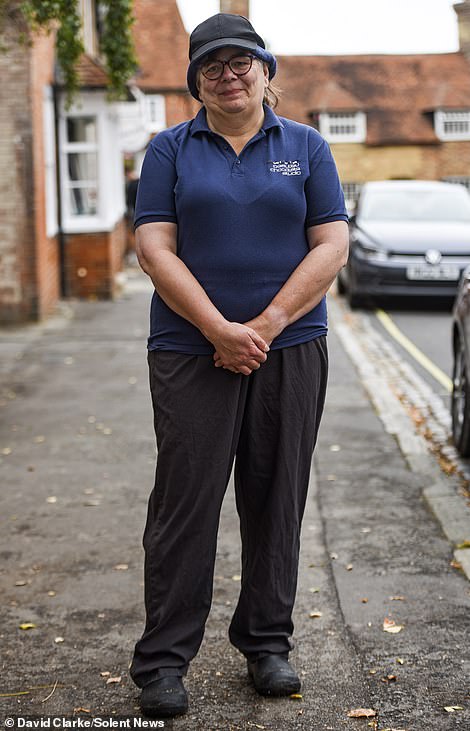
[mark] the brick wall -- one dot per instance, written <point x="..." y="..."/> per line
<point x="28" y="259"/>
<point x="358" y="163"/>
<point x="93" y="260"/>
<point x="17" y="292"/>
<point x="47" y="274"/>
<point x="237" y="7"/>
<point x="179" y="108"/>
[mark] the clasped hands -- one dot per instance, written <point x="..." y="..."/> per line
<point x="241" y="348"/>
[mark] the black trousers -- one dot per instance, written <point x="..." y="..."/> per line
<point x="204" y="418"/>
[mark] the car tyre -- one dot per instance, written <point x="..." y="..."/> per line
<point x="460" y="404"/>
<point x="340" y="285"/>
<point x="355" y="300"/>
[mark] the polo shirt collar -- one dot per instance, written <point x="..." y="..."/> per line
<point x="199" y="123"/>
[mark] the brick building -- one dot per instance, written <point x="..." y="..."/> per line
<point x="387" y="116"/>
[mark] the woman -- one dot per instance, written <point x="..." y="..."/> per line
<point x="240" y="223"/>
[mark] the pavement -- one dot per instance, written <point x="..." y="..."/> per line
<point x="383" y="610"/>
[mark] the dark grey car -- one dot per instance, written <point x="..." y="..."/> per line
<point x="407" y="238"/>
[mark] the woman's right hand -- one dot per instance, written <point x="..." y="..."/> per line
<point x="238" y="348"/>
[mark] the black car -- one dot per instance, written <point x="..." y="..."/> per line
<point x="407" y="238"/>
<point x="460" y="402"/>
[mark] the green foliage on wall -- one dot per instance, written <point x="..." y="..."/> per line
<point x="63" y="16"/>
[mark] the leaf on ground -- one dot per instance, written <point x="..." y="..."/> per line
<point x="21" y="583"/>
<point x="27" y="625"/>
<point x="389" y="679"/>
<point x="105" y="674"/>
<point x="117" y="679"/>
<point x="456" y="564"/>
<point x="81" y="710"/>
<point x="364" y="600"/>
<point x="362" y="713"/>
<point x="59" y="640"/>
<point x="51" y="499"/>
<point x="464" y="544"/>
<point x="296" y="696"/>
<point x="397" y="598"/>
<point x="400" y="661"/>
<point x="349" y="567"/>
<point x="121" y="567"/>
<point x="236" y="577"/>
<point x="391" y="626"/>
<point x="452" y="709"/>
<point x="315" y="615"/>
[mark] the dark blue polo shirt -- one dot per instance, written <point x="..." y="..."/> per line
<point x="242" y="219"/>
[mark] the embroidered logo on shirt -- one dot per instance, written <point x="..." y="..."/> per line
<point x="285" y="167"/>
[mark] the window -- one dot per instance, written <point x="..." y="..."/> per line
<point x="154" y="111"/>
<point x="351" y="194"/>
<point x="343" y="126"/>
<point x="452" y="125"/>
<point x="81" y="149"/>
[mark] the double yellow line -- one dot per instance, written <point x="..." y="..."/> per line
<point x="415" y="352"/>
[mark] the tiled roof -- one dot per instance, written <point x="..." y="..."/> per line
<point x="162" y="45"/>
<point x="91" y="73"/>
<point x="398" y="93"/>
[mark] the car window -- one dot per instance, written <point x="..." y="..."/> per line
<point x="416" y="205"/>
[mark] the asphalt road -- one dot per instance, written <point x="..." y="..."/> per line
<point x="429" y="328"/>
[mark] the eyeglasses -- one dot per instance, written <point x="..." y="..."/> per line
<point x="238" y="65"/>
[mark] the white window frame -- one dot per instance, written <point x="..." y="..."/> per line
<point x="50" y="170"/>
<point x="154" y="122"/>
<point x="80" y="147"/>
<point x="356" y="120"/>
<point x="351" y="192"/>
<point x="110" y="167"/>
<point x="455" y="116"/>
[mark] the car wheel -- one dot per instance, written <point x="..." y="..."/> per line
<point x="355" y="300"/>
<point x="461" y="401"/>
<point x="340" y="285"/>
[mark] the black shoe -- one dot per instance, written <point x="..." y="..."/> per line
<point x="272" y="675"/>
<point x="164" y="698"/>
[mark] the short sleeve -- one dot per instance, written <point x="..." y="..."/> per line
<point x="324" y="195"/>
<point x="155" y="196"/>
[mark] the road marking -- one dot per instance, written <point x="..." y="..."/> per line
<point x="415" y="352"/>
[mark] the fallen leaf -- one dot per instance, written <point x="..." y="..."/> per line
<point x="314" y="590"/>
<point x="51" y="593"/>
<point x="117" y="679"/>
<point x="51" y="499"/>
<point x="6" y="451"/>
<point x="315" y="615"/>
<point x="333" y="556"/>
<point x="21" y="583"/>
<point x="92" y="503"/>
<point x="400" y="661"/>
<point x="362" y="713"/>
<point x="391" y="626"/>
<point x="81" y="710"/>
<point x="464" y="544"/>
<point x="335" y="448"/>
<point x="349" y="567"/>
<point x="364" y="600"/>
<point x="59" y="640"/>
<point x="452" y="709"/>
<point x="456" y="564"/>
<point x="27" y="625"/>
<point x="296" y="696"/>
<point x="236" y="577"/>
<point x="397" y="598"/>
<point x="121" y="567"/>
<point x="389" y="679"/>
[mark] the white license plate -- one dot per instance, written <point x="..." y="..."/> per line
<point x="432" y="273"/>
